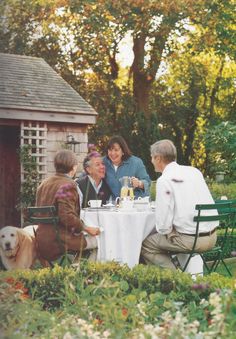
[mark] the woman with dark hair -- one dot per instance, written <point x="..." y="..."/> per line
<point x="119" y="163"/>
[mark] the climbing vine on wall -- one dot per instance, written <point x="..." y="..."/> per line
<point x="30" y="179"/>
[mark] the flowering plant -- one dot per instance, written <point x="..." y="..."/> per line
<point x="17" y="287"/>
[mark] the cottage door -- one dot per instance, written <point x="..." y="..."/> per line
<point x="10" y="176"/>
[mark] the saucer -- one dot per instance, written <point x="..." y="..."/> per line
<point x="102" y="208"/>
<point x="108" y="205"/>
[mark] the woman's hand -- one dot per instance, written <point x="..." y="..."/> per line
<point x="136" y="183"/>
<point x="92" y="230"/>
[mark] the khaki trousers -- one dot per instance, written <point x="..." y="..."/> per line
<point x="157" y="248"/>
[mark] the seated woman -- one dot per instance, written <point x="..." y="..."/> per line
<point x="120" y="162"/>
<point x="92" y="186"/>
<point x="60" y="190"/>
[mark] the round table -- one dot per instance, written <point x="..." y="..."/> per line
<point x="123" y="232"/>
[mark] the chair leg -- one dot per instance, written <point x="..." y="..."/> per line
<point x="221" y="260"/>
<point x="205" y="264"/>
<point x="187" y="262"/>
<point x="215" y="264"/>
<point x="207" y="267"/>
<point x="227" y="269"/>
<point x="65" y="258"/>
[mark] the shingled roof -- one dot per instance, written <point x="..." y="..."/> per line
<point x="30" y="89"/>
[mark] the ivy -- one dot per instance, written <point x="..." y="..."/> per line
<point x="31" y="175"/>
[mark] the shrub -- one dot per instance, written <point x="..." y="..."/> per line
<point x="221" y="144"/>
<point x="219" y="190"/>
<point x="108" y="300"/>
<point x="53" y="286"/>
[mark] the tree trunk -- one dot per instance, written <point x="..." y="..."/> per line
<point x="215" y="89"/>
<point x="141" y="85"/>
<point x="144" y="72"/>
<point x="141" y="90"/>
<point x="191" y="121"/>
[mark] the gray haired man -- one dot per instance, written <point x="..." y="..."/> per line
<point x="178" y="190"/>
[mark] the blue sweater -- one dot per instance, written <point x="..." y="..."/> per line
<point x="132" y="167"/>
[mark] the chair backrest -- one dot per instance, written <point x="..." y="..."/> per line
<point x="230" y="232"/>
<point x="43" y="215"/>
<point x="223" y="213"/>
<point x="46" y="215"/>
<point x="232" y="209"/>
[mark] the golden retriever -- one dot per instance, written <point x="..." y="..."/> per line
<point x="17" y="247"/>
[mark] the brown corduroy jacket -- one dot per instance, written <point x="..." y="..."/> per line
<point x="61" y="191"/>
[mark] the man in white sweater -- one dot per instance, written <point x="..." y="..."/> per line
<point x="178" y="190"/>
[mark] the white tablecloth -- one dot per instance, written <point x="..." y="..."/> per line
<point x="122" y="235"/>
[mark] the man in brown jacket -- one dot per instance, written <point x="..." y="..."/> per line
<point x="60" y="190"/>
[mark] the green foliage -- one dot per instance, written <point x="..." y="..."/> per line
<point x="20" y="316"/>
<point x="221" y="18"/>
<point x="221" y="145"/>
<point x="110" y="299"/>
<point x="51" y="286"/>
<point x="138" y="133"/>
<point x="195" y="89"/>
<point x="153" y="191"/>
<point x="143" y="134"/>
<point x="219" y="190"/>
<point x="29" y="185"/>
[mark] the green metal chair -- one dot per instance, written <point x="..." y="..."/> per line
<point x="230" y="242"/>
<point x="48" y="215"/>
<point x="225" y="214"/>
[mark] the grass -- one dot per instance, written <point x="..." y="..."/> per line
<point x="232" y="267"/>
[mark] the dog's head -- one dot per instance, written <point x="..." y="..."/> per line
<point x="9" y="240"/>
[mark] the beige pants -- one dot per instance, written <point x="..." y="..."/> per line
<point x="157" y="248"/>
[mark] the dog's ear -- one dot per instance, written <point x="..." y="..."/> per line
<point x="20" y="235"/>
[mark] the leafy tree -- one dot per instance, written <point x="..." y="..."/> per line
<point x="150" y="23"/>
<point x="195" y="90"/>
<point x="217" y="22"/>
<point x="133" y="126"/>
<point x="86" y="35"/>
<point x="81" y="40"/>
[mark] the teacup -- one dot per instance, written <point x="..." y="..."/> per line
<point x="95" y="203"/>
